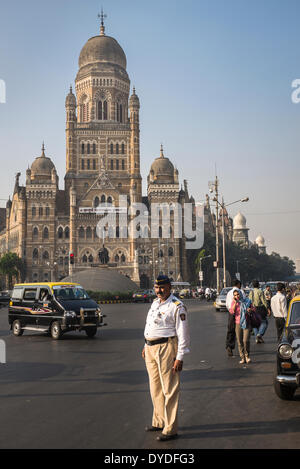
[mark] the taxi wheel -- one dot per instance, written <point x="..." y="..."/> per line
<point x="56" y="331"/>
<point x="91" y="331"/>
<point x="17" y="328"/>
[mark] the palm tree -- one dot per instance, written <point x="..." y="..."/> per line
<point x="11" y="265"/>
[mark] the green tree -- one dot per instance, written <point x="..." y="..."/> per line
<point x="12" y="266"/>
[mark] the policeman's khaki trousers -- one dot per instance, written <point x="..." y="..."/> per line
<point x="164" y="384"/>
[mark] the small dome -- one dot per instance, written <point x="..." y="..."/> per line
<point x="134" y="99"/>
<point x="162" y="169"/>
<point x="70" y="99"/>
<point x="42" y="166"/>
<point x="260" y="241"/>
<point x="102" y="49"/>
<point x="239" y="222"/>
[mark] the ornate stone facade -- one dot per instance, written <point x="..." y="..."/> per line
<point x="44" y="224"/>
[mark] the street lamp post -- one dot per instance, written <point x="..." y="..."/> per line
<point x="237" y="266"/>
<point x="222" y="205"/>
<point x="200" y="271"/>
<point x="214" y="187"/>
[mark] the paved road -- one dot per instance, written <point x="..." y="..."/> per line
<point x="93" y="393"/>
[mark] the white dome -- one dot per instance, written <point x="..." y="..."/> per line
<point x="260" y="241"/>
<point x="239" y="222"/>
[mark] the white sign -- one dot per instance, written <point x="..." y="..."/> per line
<point x="238" y="275"/>
<point x="200" y="275"/>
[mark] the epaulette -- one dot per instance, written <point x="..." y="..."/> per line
<point x="177" y="302"/>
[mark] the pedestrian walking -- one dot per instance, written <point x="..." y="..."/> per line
<point x="167" y="340"/>
<point x="268" y="296"/>
<point x="240" y="307"/>
<point x="259" y="301"/>
<point x="279" y="309"/>
<point x="230" y="336"/>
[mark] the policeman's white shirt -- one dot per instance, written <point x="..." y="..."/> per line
<point x="279" y="305"/>
<point x="229" y="296"/>
<point x="168" y="319"/>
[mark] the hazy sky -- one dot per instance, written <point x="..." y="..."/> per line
<point x="214" y="81"/>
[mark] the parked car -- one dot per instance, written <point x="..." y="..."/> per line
<point x="220" y="302"/>
<point x="5" y="298"/>
<point x="142" y="295"/>
<point x="287" y="378"/>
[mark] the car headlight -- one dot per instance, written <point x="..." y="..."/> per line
<point x="285" y="351"/>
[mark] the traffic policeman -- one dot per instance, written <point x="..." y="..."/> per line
<point x="167" y="340"/>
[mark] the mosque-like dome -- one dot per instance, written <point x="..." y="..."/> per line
<point x="239" y="222"/>
<point x="102" y="49"/>
<point x="260" y="240"/>
<point x="42" y="166"/>
<point x="162" y="170"/>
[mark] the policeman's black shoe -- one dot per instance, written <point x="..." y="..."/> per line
<point x="150" y="428"/>
<point x="229" y="352"/>
<point x="163" y="437"/>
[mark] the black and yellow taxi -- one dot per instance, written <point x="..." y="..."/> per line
<point x="287" y="377"/>
<point x="53" y="308"/>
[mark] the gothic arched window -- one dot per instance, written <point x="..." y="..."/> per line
<point x="103" y="199"/>
<point x="88" y="148"/>
<point x="47" y="211"/>
<point x="109" y="200"/>
<point x="171" y="252"/>
<point x="46" y="255"/>
<point x="35" y="233"/>
<point x="123" y="258"/>
<point x="35" y="254"/>
<point x="81" y="232"/>
<point x="91" y="259"/>
<point x="60" y="232"/>
<point x="88" y="232"/>
<point x="45" y="233"/>
<point x="33" y="211"/>
<point x="94" y="148"/>
<point x="84" y="259"/>
<point x="111" y="148"/>
<point x="117" y="148"/>
<point x="96" y="201"/>
<point x="105" y="113"/>
<point x="123" y="149"/>
<point x="67" y="232"/>
<point x="117" y="259"/>
<point x="99" y="113"/>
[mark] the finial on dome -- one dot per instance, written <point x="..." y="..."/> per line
<point x="133" y="91"/>
<point x="71" y="91"/>
<point x="102" y="28"/>
<point x="162" y="151"/>
<point x="43" y="150"/>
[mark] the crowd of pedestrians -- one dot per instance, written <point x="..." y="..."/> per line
<point x="250" y="315"/>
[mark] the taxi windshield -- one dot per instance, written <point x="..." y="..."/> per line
<point x="70" y="292"/>
<point x="295" y="313"/>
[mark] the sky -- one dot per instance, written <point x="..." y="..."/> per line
<point x="214" y="78"/>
